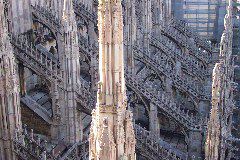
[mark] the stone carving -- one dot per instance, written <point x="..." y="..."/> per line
<point x="167" y="66"/>
<point x="218" y="145"/>
<point x="112" y="135"/>
<point x="10" y="114"/>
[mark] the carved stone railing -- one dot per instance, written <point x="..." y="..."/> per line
<point x="183" y="27"/>
<point x="149" y="145"/>
<point x="54" y="24"/>
<point x="29" y="147"/>
<point x="82" y="10"/>
<point x="36" y="59"/>
<point x="162" y="101"/>
<point x="79" y="150"/>
<point x="187" y="43"/>
<point x="187" y="85"/>
<point x="165" y="105"/>
<point x="181" y="116"/>
<point x="44" y="65"/>
<point x="47" y="18"/>
<point x="173" y="52"/>
<point x="87" y="100"/>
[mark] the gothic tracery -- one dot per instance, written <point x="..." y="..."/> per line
<point x="131" y="82"/>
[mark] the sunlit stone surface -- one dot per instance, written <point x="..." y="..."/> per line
<point x="88" y="79"/>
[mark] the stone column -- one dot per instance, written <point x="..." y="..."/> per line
<point x="94" y="64"/>
<point x="195" y="145"/>
<point x="22" y="80"/>
<point x="178" y="68"/>
<point x="56" y="108"/>
<point x="60" y="47"/>
<point x="159" y="12"/>
<point x="169" y="86"/>
<point x="169" y="9"/>
<point x="94" y="73"/>
<point x="154" y="125"/>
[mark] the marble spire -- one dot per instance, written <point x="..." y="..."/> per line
<point x="10" y="116"/>
<point x="71" y="73"/>
<point x="112" y="134"/>
<point x="218" y="142"/>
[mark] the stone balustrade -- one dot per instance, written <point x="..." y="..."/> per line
<point x="186" y="60"/>
<point x="165" y="104"/>
<point x="153" y="90"/>
<point x="47" y="17"/>
<point x="182" y="26"/>
<point x="28" y="146"/>
<point x="159" y="65"/>
<point x="55" y="23"/>
<point x="46" y="65"/>
<point x="37" y="59"/>
<point x="147" y="90"/>
<point x="187" y="43"/>
<point x="149" y="142"/>
<point x="80" y="9"/>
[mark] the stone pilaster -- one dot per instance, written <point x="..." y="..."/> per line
<point x="154" y="125"/>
